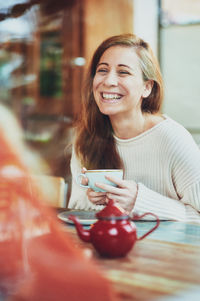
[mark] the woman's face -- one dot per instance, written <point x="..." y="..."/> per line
<point x="118" y="85"/>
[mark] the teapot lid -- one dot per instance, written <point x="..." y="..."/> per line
<point x="111" y="211"/>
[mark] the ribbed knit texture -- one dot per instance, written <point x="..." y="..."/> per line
<point x="165" y="162"/>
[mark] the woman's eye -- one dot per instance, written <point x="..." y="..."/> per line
<point x="123" y="72"/>
<point x="101" y="70"/>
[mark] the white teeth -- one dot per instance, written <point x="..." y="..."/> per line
<point x="111" y="96"/>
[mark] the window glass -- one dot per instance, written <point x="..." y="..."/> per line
<point x="45" y="48"/>
<point x="180" y="61"/>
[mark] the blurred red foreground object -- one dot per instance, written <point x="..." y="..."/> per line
<point x="38" y="261"/>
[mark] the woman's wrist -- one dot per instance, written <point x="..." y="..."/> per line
<point x="131" y="207"/>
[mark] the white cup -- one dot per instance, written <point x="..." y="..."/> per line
<point x="98" y="175"/>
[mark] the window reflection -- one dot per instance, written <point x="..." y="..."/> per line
<point x="50" y="65"/>
<point x="45" y="49"/>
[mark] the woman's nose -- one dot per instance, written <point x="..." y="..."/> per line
<point x="111" y="79"/>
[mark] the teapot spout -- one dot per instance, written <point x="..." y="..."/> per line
<point x="82" y="233"/>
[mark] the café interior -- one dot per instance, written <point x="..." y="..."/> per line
<point x="45" y="49"/>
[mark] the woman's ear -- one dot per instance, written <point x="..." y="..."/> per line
<point x="148" y="85"/>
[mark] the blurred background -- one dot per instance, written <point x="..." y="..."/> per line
<point x="45" y="46"/>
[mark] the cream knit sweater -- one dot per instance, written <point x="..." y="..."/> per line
<point x="165" y="162"/>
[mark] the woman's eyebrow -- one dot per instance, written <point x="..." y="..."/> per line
<point x="102" y="64"/>
<point x="123" y="65"/>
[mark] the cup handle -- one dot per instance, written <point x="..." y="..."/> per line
<point x="79" y="181"/>
<point x="137" y="217"/>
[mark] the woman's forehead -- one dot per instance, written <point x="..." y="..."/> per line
<point x="120" y="55"/>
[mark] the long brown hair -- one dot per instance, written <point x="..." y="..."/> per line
<point x="95" y="144"/>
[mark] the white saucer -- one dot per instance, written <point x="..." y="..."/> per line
<point x="84" y="217"/>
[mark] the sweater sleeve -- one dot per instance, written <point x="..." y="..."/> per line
<point x="182" y="166"/>
<point x="78" y="198"/>
<point x="166" y="208"/>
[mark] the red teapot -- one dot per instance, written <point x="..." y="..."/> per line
<point x="114" y="234"/>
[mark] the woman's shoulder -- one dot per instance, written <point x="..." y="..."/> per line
<point x="174" y="130"/>
<point x="178" y="139"/>
<point x="163" y="132"/>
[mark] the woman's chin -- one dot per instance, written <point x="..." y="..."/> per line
<point x="109" y="110"/>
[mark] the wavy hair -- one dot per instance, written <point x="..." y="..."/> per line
<point x="95" y="144"/>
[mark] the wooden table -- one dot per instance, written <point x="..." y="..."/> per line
<point x="167" y="263"/>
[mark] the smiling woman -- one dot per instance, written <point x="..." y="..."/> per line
<point x="118" y="85"/>
<point x="94" y="126"/>
<point x="121" y="127"/>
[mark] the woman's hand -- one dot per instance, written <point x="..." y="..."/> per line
<point x="97" y="198"/>
<point x="124" y="194"/>
<point x="84" y="181"/>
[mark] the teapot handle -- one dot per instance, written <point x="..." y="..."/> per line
<point x="137" y="217"/>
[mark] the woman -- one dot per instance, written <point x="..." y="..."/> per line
<point x="121" y="127"/>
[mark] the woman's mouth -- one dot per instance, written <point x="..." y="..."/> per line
<point x="111" y="97"/>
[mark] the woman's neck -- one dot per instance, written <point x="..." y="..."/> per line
<point x="126" y="128"/>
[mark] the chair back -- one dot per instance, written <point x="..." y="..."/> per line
<point x="53" y="189"/>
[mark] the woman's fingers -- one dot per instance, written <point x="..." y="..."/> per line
<point x="84" y="180"/>
<point x="112" y="189"/>
<point x="101" y="202"/>
<point x="124" y="194"/>
<point x="115" y="197"/>
<point x="83" y="170"/>
<point x="124" y="187"/>
<point x="117" y="181"/>
<point x="97" y="198"/>
<point x="93" y="193"/>
<point x="109" y="188"/>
